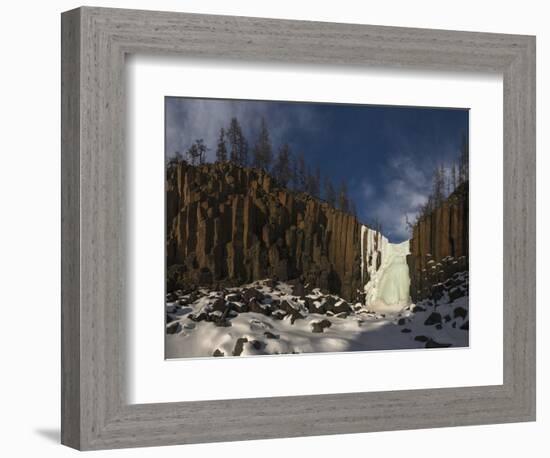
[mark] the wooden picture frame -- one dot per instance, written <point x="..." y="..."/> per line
<point x="95" y="413"/>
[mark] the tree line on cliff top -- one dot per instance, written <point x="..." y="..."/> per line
<point x="289" y="169"/>
<point x="444" y="182"/>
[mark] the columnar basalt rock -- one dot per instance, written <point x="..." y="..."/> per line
<point x="439" y="245"/>
<point x="228" y="225"/>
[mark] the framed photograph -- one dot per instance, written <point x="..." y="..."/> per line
<point x="352" y="244"/>
<point x="280" y="228"/>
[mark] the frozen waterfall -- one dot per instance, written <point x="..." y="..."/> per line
<point x="387" y="288"/>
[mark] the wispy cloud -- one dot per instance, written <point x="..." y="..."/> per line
<point x="367" y="190"/>
<point x="408" y="184"/>
<point x="405" y="191"/>
<point x="189" y="119"/>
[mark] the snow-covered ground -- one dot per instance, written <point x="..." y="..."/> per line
<point x="268" y="317"/>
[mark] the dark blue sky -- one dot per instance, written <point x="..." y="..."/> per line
<point x="385" y="154"/>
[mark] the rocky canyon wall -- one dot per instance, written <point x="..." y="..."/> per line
<point x="227" y="225"/>
<point x="439" y="245"/>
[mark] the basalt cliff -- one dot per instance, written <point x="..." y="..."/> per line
<point x="228" y="225"/>
<point x="439" y="246"/>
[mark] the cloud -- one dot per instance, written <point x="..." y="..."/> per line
<point x="407" y="177"/>
<point x="405" y="191"/>
<point x="188" y="119"/>
<point x="367" y="190"/>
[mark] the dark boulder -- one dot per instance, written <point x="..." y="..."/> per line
<point x="239" y="346"/>
<point x="255" y="307"/>
<point x="218" y="305"/>
<point x="421" y="338"/>
<point x="234" y="297"/>
<point x="433" y="344"/>
<point x="270" y="335"/>
<point x="434" y="318"/>
<point x="252" y="294"/>
<point x="329" y="303"/>
<point x="460" y="312"/>
<point x="456" y="293"/>
<point x="279" y="314"/>
<point x="240" y="307"/>
<point x="295" y="316"/>
<point x="341" y="307"/>
<point x="437" y="291"/>
<point x="173" y="328"/>
<point x="222" y="323"/>
<point x="320" y="326"/>
<point x="313" y="307"/>
<point x="257" y="344"/>
<point x="198" y="316"/>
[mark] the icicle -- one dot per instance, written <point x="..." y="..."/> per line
<point x="363" y="230"/>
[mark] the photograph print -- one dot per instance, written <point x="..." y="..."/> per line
<point x="301" y="227"/>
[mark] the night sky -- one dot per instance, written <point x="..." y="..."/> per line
<point x="385" y="154"/>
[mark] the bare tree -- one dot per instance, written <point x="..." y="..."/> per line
<point x="454" y="177"/>
<point x="221" y="151"/>
<point x="313" y="183"/>
<point x="343" y="199"/>
<point x="201" y="150"/>
<point x="243" y="150"/>
<point x="300" y="173"/>
<point x="238" y="146"/>
<point x="262" y="152"/>
<point x="330" y="192"/>
<point x="463" y="168"/>
<point x="193" y="154"/>
<point x="438" y="185"/>
<point x="282" y="169"/>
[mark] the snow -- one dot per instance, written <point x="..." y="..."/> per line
<point x="361" y="330"/>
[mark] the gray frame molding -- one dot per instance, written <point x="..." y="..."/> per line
<point x="95" y="41"/>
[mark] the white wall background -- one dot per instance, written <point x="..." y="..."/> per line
<point x="30" y="228"/>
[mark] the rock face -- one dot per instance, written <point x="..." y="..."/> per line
<point x="228" y="225"/>
<point x="439" y="245"/>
